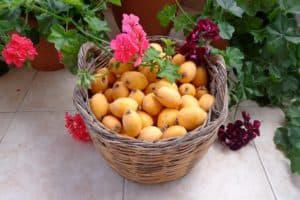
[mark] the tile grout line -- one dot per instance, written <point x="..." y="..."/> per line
<point x="265" y="170"/>
<point x="17" y="110"/>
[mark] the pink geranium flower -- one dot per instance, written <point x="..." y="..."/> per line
<point x="18" y="50"/>
<point x="125" y="48"/>
<point x="132" y="44"/>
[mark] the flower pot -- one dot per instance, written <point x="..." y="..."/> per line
<point x="220" y="43"/>
<point x="147" y="12"/>
<point x="47" y="58"/>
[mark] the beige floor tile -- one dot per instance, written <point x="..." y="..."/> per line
<point x="221" y="175"/>
<point x="5" y="119"/>
<point x="51" y="91"/>
<point x="285" y="184"/>
<point x="13" y="87"/>
<point x="39" y="160"/>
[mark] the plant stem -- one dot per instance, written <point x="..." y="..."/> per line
<point x="183" y="12"/>
<point x="88" y="34"/>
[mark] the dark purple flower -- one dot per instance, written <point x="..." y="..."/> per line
<point x="209" y="30"/>
<point x="240" y="133"/>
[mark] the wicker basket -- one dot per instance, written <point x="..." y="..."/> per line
<point x="162" y="161"/>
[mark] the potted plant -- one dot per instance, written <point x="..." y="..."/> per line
<point x="58" y="28"/>
<point x="264" y="57"/>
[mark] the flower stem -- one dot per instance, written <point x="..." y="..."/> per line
<point x="183" y="12"/>
<point x="88" y="34"/>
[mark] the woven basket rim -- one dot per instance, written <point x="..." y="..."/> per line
<point x="117" y="138"/>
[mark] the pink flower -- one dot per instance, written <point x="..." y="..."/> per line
<point x="18" y="50"/>
<point x="132" y="44"/>
<point x="125" y="48"/>
<point x="129" y="23"/>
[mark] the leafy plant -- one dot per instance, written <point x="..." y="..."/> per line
<point x="264" y="52"/>
<point x="67" y="23"/>
<point x="287" y="138"/>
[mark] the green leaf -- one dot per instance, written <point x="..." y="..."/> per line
<point x="251" y="7"/>
<point x="96" y="24"/>
<point x="293" y="115"/>
<point x="45" y="22"/>
<point x="259" y="35"/>
<point x="167" y="14"/>
<point x="231" y="6"/>
<point x="283" y="28"/>
<point x="68" y="42"/>
<point x="290" y="83"/>
<point x="295" y="162"/>
<point x="290" y="6"/>
<point x="234" y="58"/>
<point x="293" y="39"/>
<point x="169" y="48"/>
<point x="281" y="139"/>
<point x="169" y="71"/>
<point x="115" y="2"/>
<point x="226" y="30"/>
<point x="85" y="78"/>
<point x="182" y="22"/>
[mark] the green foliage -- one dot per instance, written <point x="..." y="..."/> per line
<point x="287" y="138"/>
<point x="226" y="30"/>
<point x="85" y="78"/>
<point x="264" y="57"/>
<point x="67" y="23"/>
<point x="167" y="15"/>
<point x="166" y="68"/>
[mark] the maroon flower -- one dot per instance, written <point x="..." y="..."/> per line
<point x="209" y="30"/>
<point x="196" y="45"/>
<point x="76" y="127"/>
<point x="240" y="133"/>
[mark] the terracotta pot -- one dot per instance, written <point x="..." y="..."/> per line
<point x="147" y="12"/>
<point x="47" y="58"/>
<point x="220" y="43"/>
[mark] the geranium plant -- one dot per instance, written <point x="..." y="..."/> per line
<point x="67" y="24"/>
<point x="263" y="56"/>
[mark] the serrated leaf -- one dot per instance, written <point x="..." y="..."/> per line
<point x="169" y="46"/>
<point x="231" y="6"/>
<point x="226" y="30"/>
<point x="96" y="24"/>
<point x="167" y="14"/>
<point x="169" y="71"/>
<point x="251" y="7"/>
<point x="259" y="35"/>
<point x="290" y="6"/>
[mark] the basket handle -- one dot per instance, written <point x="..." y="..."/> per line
<point x="87" y="50"/>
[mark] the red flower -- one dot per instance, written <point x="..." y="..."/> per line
<point x="240" y="133"/>
<point x="18" y="50"/>
<point x="77" y="127"/>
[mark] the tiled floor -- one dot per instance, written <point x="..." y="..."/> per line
<point x="39" y="160"/>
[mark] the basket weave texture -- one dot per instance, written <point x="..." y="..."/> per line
<point x="147" y="162"/>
